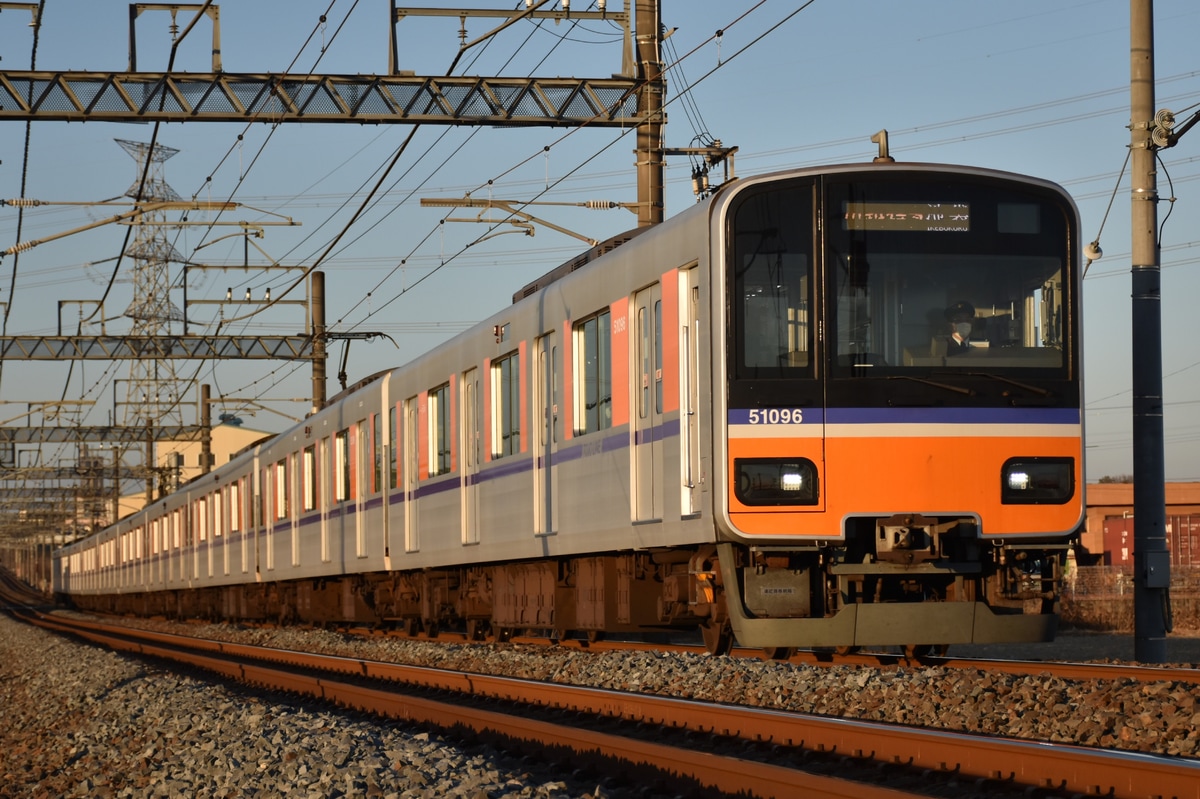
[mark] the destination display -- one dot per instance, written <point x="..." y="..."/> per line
<point x="931" y="217"/>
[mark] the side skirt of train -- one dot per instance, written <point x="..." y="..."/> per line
<point x="644" y="593"/>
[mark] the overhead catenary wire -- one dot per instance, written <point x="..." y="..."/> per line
<point x="411" y="260"/>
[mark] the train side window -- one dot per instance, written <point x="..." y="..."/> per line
<point x="311" y="486"/>
<point x="341" y="466"/>
<point x="393" y="450"/>
<point x="439" y="430"/>
<point x="235" y="506"/>
<point x="376" y="454"/>
<point x="281" y="489"/>
<point x="593" y="373"/>
<point x="506" y="405"/>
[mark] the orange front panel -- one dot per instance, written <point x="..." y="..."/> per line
<point x="806" y="520"/>
<point x="930" y="475"/>
<point x="946" y="475"/>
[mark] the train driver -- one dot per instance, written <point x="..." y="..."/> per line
<point x="959" y="318"/>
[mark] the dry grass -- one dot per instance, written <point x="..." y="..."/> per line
<point x="1101" y="599"/>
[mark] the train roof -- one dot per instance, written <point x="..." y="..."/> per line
<point x="581" y="260"/>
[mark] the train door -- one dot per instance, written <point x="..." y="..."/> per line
<point x="689" y="391"/>
<point x="206" y="535"/>
<point x="294" y="476"/>
<point x="547" y="426"/>
<point x="648" y="405"/>
<point x="258" y="488"/>
<point x="469" y="469"/>
<point x="268" y="517"/>
<point x="186" y="549"/>
<point x="241" y="523"/>
<point x="223" y="531"/>
<point x="360" y="485"/>
<point x="411" y="473"/>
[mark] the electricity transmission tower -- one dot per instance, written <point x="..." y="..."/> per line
<point x="154" y="389"/>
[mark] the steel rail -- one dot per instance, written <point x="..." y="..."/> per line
<point x="727" y="774"/>
<point x="1059" y="767"/>
<point x="1069" y="670"/>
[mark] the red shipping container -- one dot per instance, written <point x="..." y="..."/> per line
<point x="1118" y="541"/>
<point x="1183" y="540"/>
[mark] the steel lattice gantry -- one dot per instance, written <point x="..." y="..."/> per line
<point x="271" y="98"/>
<point x="117" y="347"/>
<point x="122" y="435"/>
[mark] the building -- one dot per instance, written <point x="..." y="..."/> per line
<point x="1107" y="536"/>
<point x="178" y="462"/>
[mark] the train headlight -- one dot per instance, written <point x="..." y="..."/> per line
<point x="1037" y="481"/>
<point x="775" y="481"/>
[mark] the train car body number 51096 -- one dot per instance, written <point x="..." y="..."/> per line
<point x="776" y="416"/>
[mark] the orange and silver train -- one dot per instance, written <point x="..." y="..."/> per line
<point x="829" y="407"/>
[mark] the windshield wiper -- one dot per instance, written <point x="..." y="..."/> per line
<point x="1045" y="392"/>
<point x="957" y="389"/>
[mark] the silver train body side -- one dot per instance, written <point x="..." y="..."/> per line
<point x="622" y="449"/>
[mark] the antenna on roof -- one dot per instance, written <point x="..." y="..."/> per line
<point x="881" y="139"/>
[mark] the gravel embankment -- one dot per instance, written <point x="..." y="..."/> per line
<point x="1161" y="717"/>
<point x="79" y="721"/>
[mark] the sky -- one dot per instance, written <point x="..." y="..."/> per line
<point x="1039" y="87"/>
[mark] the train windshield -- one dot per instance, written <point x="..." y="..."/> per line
<point x="772" y="334"/>
<point x="966" y="276"/>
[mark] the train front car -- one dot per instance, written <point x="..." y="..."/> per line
<point x="898" y="371"/>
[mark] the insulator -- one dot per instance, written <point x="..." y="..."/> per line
<point x="600" y="205"/>
<point x="1161" y="137"/>
<point x="600" y="4"/>
<point x="267" y="296"/>
<point x="23" y="202"/>
<point x="1164" y="119"/>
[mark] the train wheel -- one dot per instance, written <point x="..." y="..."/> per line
<point x="410" y="627"/>
<point x="778" y="652"/>
<point x="476" y="630"/>
<point x="914" y="651"/>
<point x="718" y="637"/>
<point x="504" y="634"/>
<point x="595" y="635"/>
<point x="845" y="650"/>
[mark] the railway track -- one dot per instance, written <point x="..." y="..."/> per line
<point x="1067" y="670"/>
<point x="890" y="754"/>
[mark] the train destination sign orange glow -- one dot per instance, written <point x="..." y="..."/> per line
<point x="932" y="217"/>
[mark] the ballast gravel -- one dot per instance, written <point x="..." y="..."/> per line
<point x="83" y="722"/>
<point x="80" y="721"/>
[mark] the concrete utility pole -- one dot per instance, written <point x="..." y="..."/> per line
<point x="650" y="155"/>
<point x="1151" y="559"/>
<point x="316" y="296"/>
